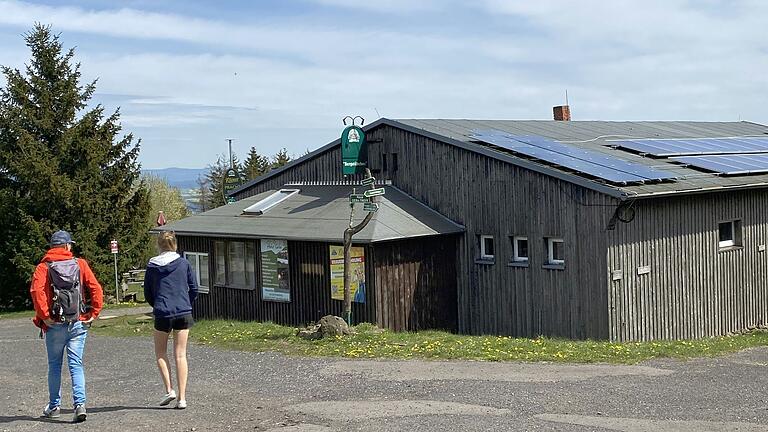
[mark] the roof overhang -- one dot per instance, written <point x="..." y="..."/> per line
<point x="319" y="213"/>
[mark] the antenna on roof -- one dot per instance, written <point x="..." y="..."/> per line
<point x="566" y="97"/>
<point x="231" y="159"/>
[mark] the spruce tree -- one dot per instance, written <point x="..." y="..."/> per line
<point x="280" y="159"/>
<point x="63" y="166"/>
<point x="255" y="165"/>
<point x="215" y="181"/>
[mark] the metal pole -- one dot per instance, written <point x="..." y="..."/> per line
<point x="117" y="290"/>
<point x="348" y="233"/>
<point x="231" y="159"/>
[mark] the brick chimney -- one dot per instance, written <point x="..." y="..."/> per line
<point x="562" y="113"/>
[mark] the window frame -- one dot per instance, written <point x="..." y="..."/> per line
<point x="516" y="257"/>
<point x="552" y="262"/>
<point x="736" y="240"/>
<point x="202" y="289"/>
<point x="483" y="256"/>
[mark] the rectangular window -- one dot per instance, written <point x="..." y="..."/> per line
<point x="235" y="264"/>
<point x="199" y="262"/>
<point x="729" y="234"/>
<point x="520" y="249"/>
<point x="555" y="251"/>
<point x="220" y="258"/>
<point x="384" y="162"/>
<point x="486" y="248"/>
<point x="394" y="162"/>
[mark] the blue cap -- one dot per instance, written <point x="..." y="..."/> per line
<point x="61" y="238"/>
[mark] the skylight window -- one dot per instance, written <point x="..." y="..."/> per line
<point x="270" y="201"/>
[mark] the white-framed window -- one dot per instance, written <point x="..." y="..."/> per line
<point x="487" y="252"/>
<point x="729" y="234"/>
<point x="199" y="263"/>
<point x="555" y="251"/>
<point x="519" y="249"/>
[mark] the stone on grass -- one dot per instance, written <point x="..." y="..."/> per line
<point x="328" y="326"/>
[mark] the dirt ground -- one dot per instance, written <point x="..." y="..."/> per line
<point x="242" y="391"/>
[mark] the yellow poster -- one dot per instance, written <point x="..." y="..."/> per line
<point x="357" y="273"/>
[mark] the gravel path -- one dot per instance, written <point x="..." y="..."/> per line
<point x="241" y="391"/>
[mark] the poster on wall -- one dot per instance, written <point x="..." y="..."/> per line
<point x="275" y="284"/>
<point x="357" y="273"/>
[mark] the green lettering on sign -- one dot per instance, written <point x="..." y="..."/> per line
<point x="354" y="151"/>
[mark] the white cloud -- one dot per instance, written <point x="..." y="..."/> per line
<point x="621" y="59"/>
<point x="388" y="6"/>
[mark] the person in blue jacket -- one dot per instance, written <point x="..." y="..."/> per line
<point x="170" y="287"/>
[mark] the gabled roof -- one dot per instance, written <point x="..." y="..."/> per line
<point x="319" y="213"/>
<point x="589" y="135"/>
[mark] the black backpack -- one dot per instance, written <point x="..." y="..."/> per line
<point x="68" y="301"/>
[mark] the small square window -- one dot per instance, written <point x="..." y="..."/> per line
<point x="520" y="249"/>
<point x="555" y="251"/>
<point x="486" y="247"/>
<point x="729" y="234"/>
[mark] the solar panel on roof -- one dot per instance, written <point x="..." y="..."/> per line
<point x="594" y="164"/>
<point x="694" y="146"/>
<point x="731" y="164"/>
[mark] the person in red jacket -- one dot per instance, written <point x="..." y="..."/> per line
<point x="61" y="336"/>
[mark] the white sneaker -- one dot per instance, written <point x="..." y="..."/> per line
<point x="168" y="398"/>
<point x="49" y="412"/>
<point x="181" y="404"/>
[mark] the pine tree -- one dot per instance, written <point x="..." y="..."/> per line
<point x="215" y="180"/>
<point x="63" y="167"/>
<point x="203" y="193"/>
<point x="280" y="159"/>
<point x="255" y="165"/>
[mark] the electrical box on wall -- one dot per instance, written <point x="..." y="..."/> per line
<point x="643" y="270"/>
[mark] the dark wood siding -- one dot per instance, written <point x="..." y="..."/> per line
<point x="492" y="197"/>
<point x="417" y="284"/>
<point x="310" y="288"/>
<point x="693" y="289"/>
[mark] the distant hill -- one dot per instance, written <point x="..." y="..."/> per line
<point x="182" y="178"/>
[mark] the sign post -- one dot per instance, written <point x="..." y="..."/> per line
<point x="113" y="248"/>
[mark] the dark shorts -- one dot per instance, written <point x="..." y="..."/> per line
<point x="176" y="323"/>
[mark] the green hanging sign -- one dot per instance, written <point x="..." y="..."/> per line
<point x="231" y="181"/>
<point x="354" y="151"/>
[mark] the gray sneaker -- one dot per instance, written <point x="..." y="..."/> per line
<point x="49" y="412"/>
<point x="80" y="414"/>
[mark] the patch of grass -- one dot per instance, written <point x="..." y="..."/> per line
<point x="370" y="342"/>
<point x="29" y="314"/>
<point x="18" y="314"/>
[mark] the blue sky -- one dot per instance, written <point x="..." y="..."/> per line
<point x="272" y="74"/>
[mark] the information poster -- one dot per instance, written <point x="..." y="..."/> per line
<point x="357" y="273"/>
<point x="275" y="283"/>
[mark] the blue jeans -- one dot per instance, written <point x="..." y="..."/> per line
<point x="69" y="338"/>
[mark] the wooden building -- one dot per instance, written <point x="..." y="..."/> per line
<point x="532" y="243"/>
